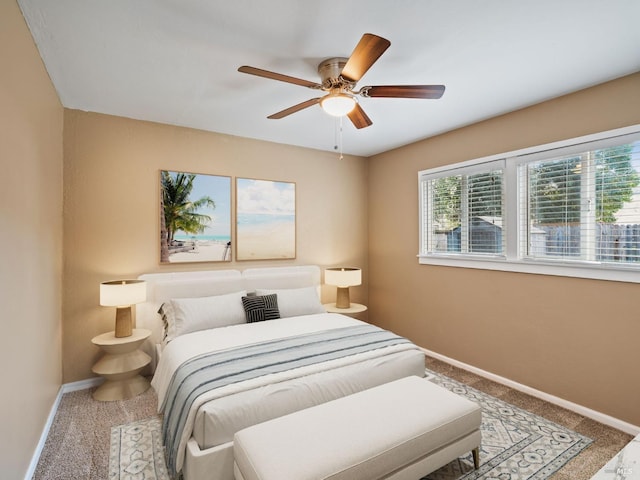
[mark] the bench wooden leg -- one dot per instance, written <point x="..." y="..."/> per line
<point x="476" y="457"/>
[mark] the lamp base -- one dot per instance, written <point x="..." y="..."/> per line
<point x="342" y="298"/>
<point x="124" y="325"/>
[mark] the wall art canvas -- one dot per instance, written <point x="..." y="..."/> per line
<point x="265" y="219"/>
<point x="195" y="217"/>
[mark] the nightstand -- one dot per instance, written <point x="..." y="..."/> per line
<point x="121" y="365"/>
<point x="354" y="308"/>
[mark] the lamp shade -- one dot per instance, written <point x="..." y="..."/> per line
<point x="122" y="293"/>
<point x="338" y="104"/>
<point x="343" y="276"/>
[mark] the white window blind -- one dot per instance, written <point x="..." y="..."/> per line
<point x="462" y="211"/>
<point x="582" y="207"/>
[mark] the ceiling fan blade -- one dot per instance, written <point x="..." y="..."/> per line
<point x="278" y="76"/>
<point x="294" y="109"/>
<point x="359" y="118"/>
<point x="404" y="91"/>
<point x="368" y="50"/>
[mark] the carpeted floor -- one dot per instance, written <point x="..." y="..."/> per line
<point x="607" y="441"/>
<point x="77" y="447"/>
<point x="513" y="440"/>
<point x="78" y="442"/>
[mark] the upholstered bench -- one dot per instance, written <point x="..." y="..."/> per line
<point x="401" y="430"/>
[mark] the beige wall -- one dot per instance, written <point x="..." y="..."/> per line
<point x="573" y="338"/>
<point x="31" y="120"/>
<point x="111" y="211"/>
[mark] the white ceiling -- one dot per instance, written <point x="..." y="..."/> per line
<point x="175" y="61"/>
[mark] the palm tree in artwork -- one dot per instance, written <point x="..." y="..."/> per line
<point x="180" y="212"/>
<point x="164" y="245"/>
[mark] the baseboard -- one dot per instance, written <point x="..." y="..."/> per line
<point x="574" y="407"/>
<point x="81" y="385"/>
<point x="43" y="437"/>
<point x="65" y="388"/>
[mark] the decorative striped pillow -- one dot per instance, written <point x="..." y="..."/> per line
<point x="260" y="308"/>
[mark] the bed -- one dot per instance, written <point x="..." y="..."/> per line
<point x="216" y="373"/>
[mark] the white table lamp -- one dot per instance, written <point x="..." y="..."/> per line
<point x="122" y="294"/>
<point x="343" y="278"/>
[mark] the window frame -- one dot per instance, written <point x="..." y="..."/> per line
<point x="513" y="261"/>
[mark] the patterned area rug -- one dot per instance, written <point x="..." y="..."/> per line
<point x="136" y="451"/>
<point x="516" y="444"/>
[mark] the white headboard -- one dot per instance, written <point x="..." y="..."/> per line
<point x="164" y="286"/>
<point x="281" y="277"/>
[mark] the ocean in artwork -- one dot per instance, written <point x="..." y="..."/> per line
<point x="181" y="237"/>
<point x="263" y="219"/>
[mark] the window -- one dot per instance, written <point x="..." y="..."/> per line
<point x="576" y="206"/>
<point x="563" y="209"/>
<point x="464" y="211"/>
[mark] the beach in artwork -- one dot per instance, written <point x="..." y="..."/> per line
<point x="201" y="249"/>
<point x="266" y="236"/>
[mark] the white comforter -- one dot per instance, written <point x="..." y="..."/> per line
<point x="190" y="345"/>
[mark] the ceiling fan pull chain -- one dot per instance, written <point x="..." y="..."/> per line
<point x="341" y="157"/>
<point x="338" y="137"/>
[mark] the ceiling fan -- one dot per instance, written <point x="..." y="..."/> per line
<point x="339" y="76"/>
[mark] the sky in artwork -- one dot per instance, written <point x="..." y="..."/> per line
<point x="265" y="197"/>
<point x="217" y="188"/>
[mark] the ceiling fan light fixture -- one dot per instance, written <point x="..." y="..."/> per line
<point x="338" y="104"/>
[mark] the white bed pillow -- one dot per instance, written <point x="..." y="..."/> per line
<point x="293" y="302"/>
<point x="203" y="313"/>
